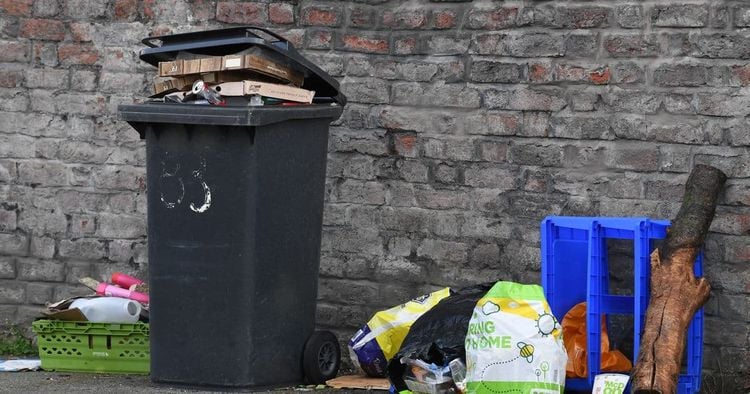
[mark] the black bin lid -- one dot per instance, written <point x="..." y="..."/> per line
<point x="222" y="42"/>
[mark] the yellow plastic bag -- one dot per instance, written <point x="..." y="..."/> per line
<point x="574" y="336"/>
<point x="377" y="342"/>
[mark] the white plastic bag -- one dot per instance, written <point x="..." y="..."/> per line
<point x="514" y="343"/>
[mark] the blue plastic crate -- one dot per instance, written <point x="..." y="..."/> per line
<point x="575" y="269"/>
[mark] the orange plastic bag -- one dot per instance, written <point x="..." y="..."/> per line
<point x="574" y="337"/>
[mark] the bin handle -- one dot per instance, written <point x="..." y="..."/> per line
<point x="149" y="41"/>
<point x="152" y="41"/>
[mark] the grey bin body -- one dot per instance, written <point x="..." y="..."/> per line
<point x="235" y="206"/>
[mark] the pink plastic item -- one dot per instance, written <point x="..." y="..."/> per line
<point x="125" y="281"/>
<point x="106" y="289"/>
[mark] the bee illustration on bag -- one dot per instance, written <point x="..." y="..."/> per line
<point x="527" y="351"/>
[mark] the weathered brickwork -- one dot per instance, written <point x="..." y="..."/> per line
<point x="468" y="122"/>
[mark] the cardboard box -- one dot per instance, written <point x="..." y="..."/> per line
<point x="192" y="66"/>
<point x="164" y="86"/>
<point x="170" y="85"/>
<point x="210" y="64"/>
<point x="256" y="63"/>
<point x="273" y="69"/>
<point x="233" y="62"/>
<point x="282" y="92"/>
<point x="168" y="69"/>
<point x="273" y="90"/>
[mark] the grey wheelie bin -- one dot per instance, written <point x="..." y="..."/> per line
<point x="235" y="206"/>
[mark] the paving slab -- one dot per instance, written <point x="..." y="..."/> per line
<point x="49" y="382"/>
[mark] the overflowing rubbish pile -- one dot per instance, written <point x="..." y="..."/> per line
<point x="124" y="301"/>
<point x="488" y="338"/>
<point x="105" y="332"/>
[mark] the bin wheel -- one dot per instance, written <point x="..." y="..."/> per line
<point x="321" y="358"/>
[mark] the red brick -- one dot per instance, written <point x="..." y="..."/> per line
<point x="245" y="13"/>
<point x="600" y="76"/>
<point x="43" y="29"/>
<point x="77" y="54"/>
<point x="148" y="9"/>
<point x="501" y="18"/>
<point x="742" y="73"/>
<point x="281" y="13"/>
<point x="404" y="144"/>
<point x="12" y="51"/>
<point x="11" y="79"/>
<point x="126" y="9"/>
<point x="16" y="7"/>
<point x="540" y="72"/>
<point x="358" y="43"/>
<point x="732" y="223"/>
<point x="321" y="16"/>
<point x="81" y="31"/>
<point x="415" y="19"/>
<point x="405" y="46"/>
<point x="629" y="45"/>
<point x="319" y="39"/>
<point x="444" y="19"/>
<point x="203" y="10"/>
<point x="569" y="73"/>
<point x="296" y="37"/>
<point x="510" y="122"/>
<point x="587" y="17"/>
<point x="536" y="183"/>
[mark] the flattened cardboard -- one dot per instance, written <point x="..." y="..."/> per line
<point x="74" y="314"/>
<point x="166" y="86"/>
<point x="273" y="69"/>
<point x="254" y="63"/>
<point x="282" y="92"/>
<point x="192" y="66"/>
<point x="233" y="62"/>
<point x="273" y="90"/>
<point x="210" y="64"/>
<point x="173" y="84"/>
<point x="59" y="310"/>
<point x="168" y="69"/>
<point x="163" y="86"/>
<point x="359" y="382"/>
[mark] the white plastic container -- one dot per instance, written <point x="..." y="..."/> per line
<point x="108" y="309"/>
<point x="610" y="383"/>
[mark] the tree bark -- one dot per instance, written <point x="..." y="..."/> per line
<point x="676" y="294"/>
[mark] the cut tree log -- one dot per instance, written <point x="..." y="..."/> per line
<point x="676" y="294"/>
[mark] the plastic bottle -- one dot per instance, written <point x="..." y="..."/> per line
<point x="108" y="309"/>
<point x="106" y="289"/>
<point x="125" y="281"/>
<point x="458" y="371"/>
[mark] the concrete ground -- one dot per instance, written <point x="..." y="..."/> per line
<point x="49" y="382"/>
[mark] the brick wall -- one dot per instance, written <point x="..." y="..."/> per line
<point x="468" y="122"/>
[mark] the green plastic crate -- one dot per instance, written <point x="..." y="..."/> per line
<point x="93" y="347"/>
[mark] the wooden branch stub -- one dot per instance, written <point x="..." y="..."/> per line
<point x="691" y="225"/>
<point x="676" y="294"/>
